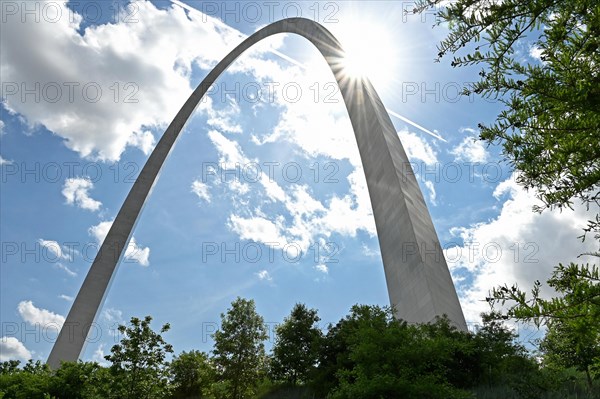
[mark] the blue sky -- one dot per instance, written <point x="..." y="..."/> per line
<point x="263" y="196"/>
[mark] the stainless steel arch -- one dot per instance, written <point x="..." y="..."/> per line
<point x="419" y="283"/>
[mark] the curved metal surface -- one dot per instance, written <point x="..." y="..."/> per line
<point x="419" y="284"/>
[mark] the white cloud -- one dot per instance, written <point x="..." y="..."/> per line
<point x="301" y="203"/>
<point x="432" y="194"/>
<point x="318" y="130"/>
<point x="143" y="140"/>
<point x="237" y="186"/>
<point x="507" y="187"/>
<point x="231" y="155"/>
<point x="66" y="297"/>
<point x="66" y="269"/>
<point x="258" y="229"/>
<point x="39" y="317"/>
<point x="138" y="254"/>
<point x="133" y="252"/>
<point x="98" y="356"/>
<point x="535" y="53"/>
<point x="273" y="190"/>
<point x="111" y="319"/>
<point x="53" y="248"/>
<point x="417" y="149"/>
<point x="4" y="161"/>
<point x="264" y="275"/>
<point x="201" y="190"/>
<point x="370" y="252"/>
<point x="316" y="120"/>
<point x="112" y="315"/>
<point x="309" y="217"/>
<point x="13" y="349"/>
<point x="75" y="191"/>
<point x="315" y="127"/>
<point x="352" y="212"/>
<point x="322" y="268"/>
<point x="124" y="77"/>
<point x="221" y="119"/>
<point x="471" y="149"/>
<point x="1" y="128"/>
<point x="518" y="246"/>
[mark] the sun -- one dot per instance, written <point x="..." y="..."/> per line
<point x="370" y="51"/>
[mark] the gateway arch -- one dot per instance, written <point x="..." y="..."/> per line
<point x="418" y="280"/>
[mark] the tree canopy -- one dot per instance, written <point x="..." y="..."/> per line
<point x="296" y="348"/>
<point x="367" y="354"/>
<point x="239" y="351"/>
<point x="572" y="317"/>
<point x="138" y="361"/>
<point x="540" y="60"/>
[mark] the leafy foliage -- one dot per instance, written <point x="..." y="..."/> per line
<point x="579" y="287"/>
<point x="572" y="318"/>
<point x="239" y="351"/>
<point x="550" y="124"/>
<point x="296" y="346"/>
<point x="193" y="374"/>
<point x="79" y="380"/>
<point x="139" y="361"/>
<point x="32" y="382"/>
<point x="387" y="358"/>
<point x="540" y="60"/>
<point x="367" y="354"/>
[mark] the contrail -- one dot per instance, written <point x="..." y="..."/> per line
<point x="402" y="118"/>
<point x="301" y="65"/>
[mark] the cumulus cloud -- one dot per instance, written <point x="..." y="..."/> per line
<point x="417" y="148"/>
<point x="535" y="53"/>
<point x="13" y="349"/>
<point x="317" y="130"/>
<point x="54" y="249"/>
<point x="4" y="161"/>
<point x="308" y="218"/>
<point x="102" y="89"/>
<point x="518" y="246"/>
<point x="134" y="252"/>
<point x="98" y="356"/>
<point x="39" y="317"/>
<point x="258" y="229"/>
<point x="75" y="191"/>
<point x="143" y="140"/>
<point x="470" y="149"/>
<point x="144" y="67"/>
